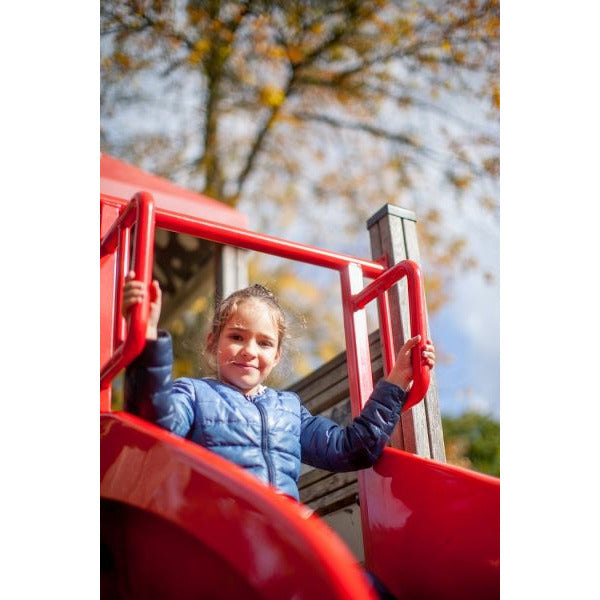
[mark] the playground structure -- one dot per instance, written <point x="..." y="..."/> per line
<point x="178" y="521"/>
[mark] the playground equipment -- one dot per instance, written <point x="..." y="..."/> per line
<point x="178" y="521"/>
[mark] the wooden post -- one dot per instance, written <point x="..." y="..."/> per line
<point x="393" y="233"/>
<point x="231" y="270"/>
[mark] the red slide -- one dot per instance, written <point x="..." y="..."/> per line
<point x="178" y="521"/>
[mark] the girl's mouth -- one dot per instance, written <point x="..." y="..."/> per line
<point x="244" y="366"/>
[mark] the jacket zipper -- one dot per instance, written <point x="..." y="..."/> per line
<point x="265" y="442"/>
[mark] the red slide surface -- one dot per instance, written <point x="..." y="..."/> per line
<point x="434" y="528"/>
<point x="178" y="521"/>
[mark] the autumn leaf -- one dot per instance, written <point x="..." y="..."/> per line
<point x="272" y="96"/>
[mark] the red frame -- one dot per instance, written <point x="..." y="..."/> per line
<point x="141" y="210"/>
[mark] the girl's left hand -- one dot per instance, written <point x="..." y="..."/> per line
<point x="402" y="372"/>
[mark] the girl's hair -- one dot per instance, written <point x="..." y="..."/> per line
<point x="228" y="306"/>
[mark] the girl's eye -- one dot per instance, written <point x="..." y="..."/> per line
<point x="266" y="344"/>
<point x="236" y="337"/>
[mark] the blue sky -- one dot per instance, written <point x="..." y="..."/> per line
<point x="468" y="326"/>
<point x="468" y="330"/>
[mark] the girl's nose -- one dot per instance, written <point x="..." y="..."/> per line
<point x="249" y="349"/>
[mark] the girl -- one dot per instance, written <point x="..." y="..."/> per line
<point x="265" y="431"/>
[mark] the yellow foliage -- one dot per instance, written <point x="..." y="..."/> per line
<point x="226" y="34"/>
<point x="337" y="53"/>
<point x="200" y="304"/>
<point x="458" y="56"/>
<point x="496" y="96"/>
<point x="272" y="96"/>
<point x="327" y="350"/>
<point x="195" y="14"/>
<point x="122" y="59"/>
<point x="404" y="27"/>
<point x="492" y="166"/>
<point x="275" y="52"/>
<point x="489" y="203"/>
<point x="178" y="327"/>
<point x="289" y="119"/>
<point x="492" y="27"/>
<point x="295" y="54"/>
<point x="446" y="46"/>
<point x="301" y="365"/>
<point x="434" y="292"/>
<point x="201" y="47"/>
<point x="182" y="367"/>
<point x="461" y="182"/>
<point x="433" y="216"/>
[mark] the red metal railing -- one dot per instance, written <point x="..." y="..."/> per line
<point x="140" y="211"/>
<point x="418" y="323"/>
<point x="251" y="240"/>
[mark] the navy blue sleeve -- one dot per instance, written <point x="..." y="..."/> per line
<point x="151" y="393"/>
<point x="327" y="445"/>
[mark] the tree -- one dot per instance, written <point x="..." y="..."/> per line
<point x="337" y="106"/>
<point x="472" y="441"/>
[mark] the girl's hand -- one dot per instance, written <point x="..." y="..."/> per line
<point x="134" y="292"/>
<point x="402" y="372"/>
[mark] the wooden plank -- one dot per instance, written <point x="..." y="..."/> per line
<point x="430" y="423"/>
<point x="332" y="372"/>
<point x="340" y="498"/>
<point x="336" y="392"/>
<point x="393" y="233"/>
<point x="346" y="523"/>
<point x="311" y="477"/>
<point x="326" y="486"/>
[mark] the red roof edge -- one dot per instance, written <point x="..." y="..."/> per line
<point x="122" y="180"/>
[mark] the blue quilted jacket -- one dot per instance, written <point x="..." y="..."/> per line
<point x="269" y="434"/>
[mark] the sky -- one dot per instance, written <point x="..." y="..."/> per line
<point x="468" y="326"/>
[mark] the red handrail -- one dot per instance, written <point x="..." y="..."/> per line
<point x="260" y="242"/>
<point x="418" y="324"/>
<point x="139" y="212"/>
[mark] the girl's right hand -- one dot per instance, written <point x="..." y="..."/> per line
<point x="134" y="292"/>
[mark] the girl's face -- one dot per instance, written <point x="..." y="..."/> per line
<point x="247" y="348"/>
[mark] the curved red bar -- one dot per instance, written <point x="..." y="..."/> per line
<point x="418" y="323"/>
<point x="231" y="535"/>
<point x="139" y="212"/>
